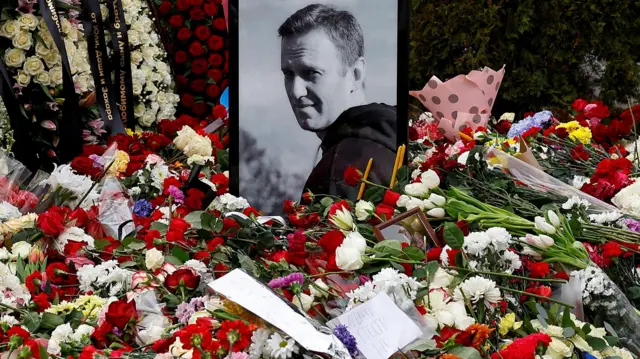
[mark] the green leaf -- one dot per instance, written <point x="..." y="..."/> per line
<point x="50" y="321"/>
<point x="414" y="253"/>
<point x="100" y="244"/>
<point x="466" y="353"/>
<point x="609" y="329"/>
<point x="159" y="226"/>
<point x="541" y="311"/>
<point x="568" y="332"/>
<point x="195" y="219"/>
<point x="390" y="246"/>
<point x="423" y="345"/>
<point x="127" y="240"/>
<point x="419" y="273"/>
<point x="566" y="318"/>
<point x="32" y="321"/>
<point x="173" y="260"/>
<point x="180" y="253"/>
<point x="223" y="158"/>
<point x="597" y="343"/>
<point x="137" y="245"/>
<point x="542" y="321"/>
<point x="612" y="341"/>
<point x="453" y="235"/>
<point x="248" y="264"/>
<point x="326" y="201"/>
<point x="43" y="352"/>
<point x="207" y="219"/>
<point x="128" y="264"/>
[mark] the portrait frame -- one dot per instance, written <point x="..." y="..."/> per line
<point x="417" y="212"/>
<point x="402" y="88"/>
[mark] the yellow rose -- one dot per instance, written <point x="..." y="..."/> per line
<point x="14" y="57"/>
<point x="43" y="78"/>
<point x="33" y="66"/>
<point x="23" y="40"/>
<point x="28" y="21"/>
<point x="55" y="75"/>
<point x="9" y="28"/>
<point x="120" y="162"/>
<point x="23" y="79"/>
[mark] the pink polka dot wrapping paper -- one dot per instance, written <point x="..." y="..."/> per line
<point x="461" y="102"/>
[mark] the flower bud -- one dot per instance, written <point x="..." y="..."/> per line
<point x="542" y="225"/>
<point x="553" y="218"/>
<point x="436" y="212"/>
<point x="437" y="199"/>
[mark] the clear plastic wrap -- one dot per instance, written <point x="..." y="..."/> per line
<point x="12" y="175"/>
<point x="115" y="209"/>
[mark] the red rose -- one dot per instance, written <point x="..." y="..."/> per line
<point x="307" y="197"/>
<point x="596" y="110"/>
<point x="199" y="108"/>
<point x="211" y="9"/>
<point x="79" y="217"/>
<point x="89" y="150"/>
<point x="579" y="104"/>
<point x="50" y="222"/>
<point x="219" y="24"/>
<point x="330" y="241"/>
<point x="83" y="165"/>
<point x="184" y="276"/>
<point x="187" y="100"/>
<point x="194" y="199"/>
<point x="181" y="81"/>
<point x="120" y="313"/>
<point x="182" y="5"/>
<point x="215" y="60"/>
<point x="165" y="7"/>
<point x="352" y="176"/>
<point x="340" y="205"/>
<point x="384" y="211"/>
<point x="184" y="34"/>
<point x="213" y="244"/>
<point x="391" y="198"/>
<point x="176" y="21"/>
<point x="199" y="66"/>
<point x="196" y="49"/>
<point x="175" y="236"/>
<point x="202" y="256"/>
<point x="251" y="211"/>
<point x="219" y="111"/>
<point x="215" y="75"/>
<point x="198" y="85"/>
<point x="181" y="57"/>
<point x="539" y="269"/>
<point x="213" y="91"/>
<point x="203" y="33"/>
<point x="196" y="14"/>
<point x="289" y="206"/>
<point x="196" y="3"/>
<point x="215" y="43"/>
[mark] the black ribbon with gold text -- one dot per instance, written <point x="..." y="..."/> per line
<point x="70" y="127"/>
<point x="121" y="60"/>
<point x="97" y="48"/>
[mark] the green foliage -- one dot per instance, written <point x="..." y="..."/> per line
<point x="548" y="47"/>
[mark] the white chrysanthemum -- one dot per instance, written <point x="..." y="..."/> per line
<point x="229" y="202"/>
<point x="606" y="217"/>
<point x="8" y="211"/>
<point x="105" y="276"/>
<point x="579" y="181"/>
<point x="281" y="348"/>
<point x="500" y="238"/>
<point x="476" y="289"/>
<point x="13" y="292"/>
<point x="511" y="261"/>
<point x="9" y="320"/>
<point x="476" y="243"/>
<point x="62" y="334"/>
<point x="196" y="265"/>
<point x="575" y="201"/>
<point x="73" y="234"/>
<point x="259" y="343"/>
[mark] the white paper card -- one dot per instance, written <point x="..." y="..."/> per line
<point x="380" y="327"/>
<point x="244" y="290"/>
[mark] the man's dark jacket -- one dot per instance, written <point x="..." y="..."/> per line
<point x="359" y="133"/>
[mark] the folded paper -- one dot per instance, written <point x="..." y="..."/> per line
<point x="461" y="102"/>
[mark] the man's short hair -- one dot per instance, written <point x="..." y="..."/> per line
<point x="341" y="27"/>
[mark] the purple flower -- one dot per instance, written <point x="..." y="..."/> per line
<point x="632" y="225"/>
<point x="341" y="332"/>
<point x="238" y="355"/>
<point x="294" y="278"/>
<point x="277" y="283"/>
<point x="184" y="312"/>
<point x="143" y="208"/>
<point x="176" y="193"/>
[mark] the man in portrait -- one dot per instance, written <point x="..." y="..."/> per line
<point x="322" y="60"/>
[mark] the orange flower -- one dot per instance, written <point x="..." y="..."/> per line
<point x="449" y="356"/>
<point x="478" y="333"/>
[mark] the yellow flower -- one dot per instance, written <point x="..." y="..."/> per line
<point x="508" y="323"/>
<point x="570" y="126"/>
<point x="583" y="134"/>
<point x="120" y="162"/>
<point x="129" y="132"/>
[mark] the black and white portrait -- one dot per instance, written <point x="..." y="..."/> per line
<point x="317" y="92"/>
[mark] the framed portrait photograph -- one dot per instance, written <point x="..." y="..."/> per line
<point x="316" y="86"/>
<point x="411" y="227"/>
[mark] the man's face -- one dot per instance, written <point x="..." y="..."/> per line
<point x="314" y="78"/>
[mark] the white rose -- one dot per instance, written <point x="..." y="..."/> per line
<point x="430" y="179"/>
<point x="41" y="49"/>
<point x="134" y="37"/>
<point x="348" y="259"/>
<point x="14" y="57"/>
<point x="21" y="249"/>
<point x="65" y="24"/>
<point x="43" y="78"/>
<point x="73" y="34"/>
<point x="52" y="59"/>
<point x="355" y="240"/>
<point x="558" y="350"/>
<point x="55" y="76"/>
<point x="33" y="66"/>
<point x="82" y="83"/>
<point x="153" y="259"/>
<point x="149" y="52"/>
<point x="23" y="79"/>
<point x="363" y="210"/>
<point x="147" y="119"/>
<point x="9" y="28"/>
<point x="136" y="57"/>
<point x="23" y="40"/>
<point x="139" y="109"/>
<point x="28" y="21"/>
<point x="137" y="87"/>
<point x="199" y="146"/>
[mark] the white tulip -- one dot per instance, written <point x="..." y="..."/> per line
<point x="430" y="179"/>
<point x="437" y="199"/>
<point x="364" y="210"/>
<point x="553" y="218"/>
<point x="436" y="212"/>
<point x="417" y="189"/>
<point x="342" y="219"/>
<point x="542" y="225"/>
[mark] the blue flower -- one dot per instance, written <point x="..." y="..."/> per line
<point x="143" y="208"/>
<point x="349" y="341"/>
<point x="539" y="119"/>
<point x="588" y="356"/>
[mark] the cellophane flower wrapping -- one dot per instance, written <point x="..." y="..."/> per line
<point x="115" y="209"/>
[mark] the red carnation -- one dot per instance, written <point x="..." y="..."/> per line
<point x="198" y="66"/>
<point x="181" y="57"/>
<point x="198" y="85"/>
<point x="579" y="153"/>
<point x="196" y="14"/>
<point x="213" y="91"/>
<point x="187" y="100"/>
<point x="211" y="9"/>
<point x="51" y="223"/>
<point x="330" y="241"/>
<point x="579" y="104"/>
<point x="184" y="34"/>
<point x="179" y="224"/>
<point x="203" y="33"/>
<point x="236" y="332"/>
<point x="596" y="110"/>
<point x="340" y="205"/>
<point x="539" y="269"/>
<point x="182" y="5"/>
<point x="42" y="301"/>
<point x="215" y="43"/>
<point x="18" y="331"/>
<point x="184" y="276"/>
<point x="196" y="49"/>
<point x="220" y="24"/>
<point x="523" y="348"/>
<point x="352" y="176"/>
<point x="165" y="7"/>
<point x="121" y="312"/>
<point x="194" y="199"/>
<point x="176" y="21"/>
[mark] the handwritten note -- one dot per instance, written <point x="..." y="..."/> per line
<point x="379" y="326"/>
<point x="244" y="290"/>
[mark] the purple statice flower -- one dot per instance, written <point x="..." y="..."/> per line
<point x="632" y="225"/>
<point x="341" y="332"/>
<point x="143" y="208"/>
<point x="294" y="278"/>
<point x="184" y="311"/>
<point x="176" y="193"/>
<point x="238" y="355"/>
<point x="540" y="120"/>
<point x="277" y="283"/>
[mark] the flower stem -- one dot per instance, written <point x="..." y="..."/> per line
<point x="510" y="275"/>
<point x="536" y="296"/>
